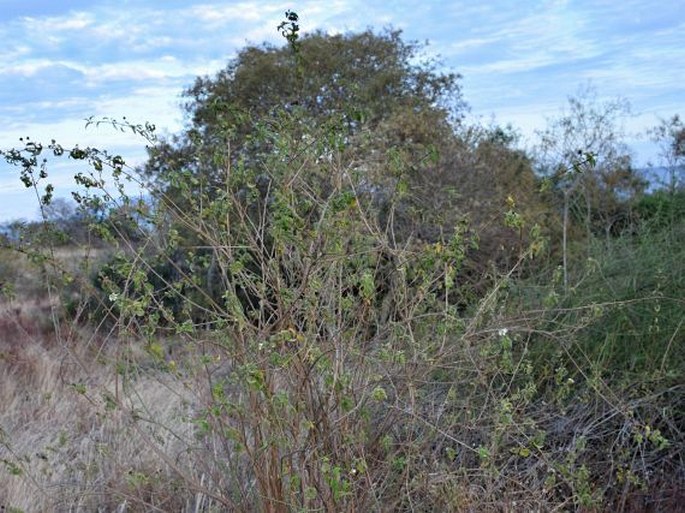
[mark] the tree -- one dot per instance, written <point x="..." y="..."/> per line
<point x="582" y="154"/>
<point x="359" y="81"/>
<point x="480" y="177"/>
<point x="63" y="216"/>
<point x="591" y="127"/>
<point x="670" y="135"/>
<point x="391" y="120"/>
<point x="363" y="102"/>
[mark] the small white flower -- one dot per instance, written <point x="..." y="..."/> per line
<point x="113" y="297"/>
<point x="503" y="332"/>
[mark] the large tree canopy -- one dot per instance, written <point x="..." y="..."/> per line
<point x="360" y="81"/>
<point x="363" y="113"/>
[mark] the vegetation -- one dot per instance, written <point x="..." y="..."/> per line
<point x="337" y="296"/>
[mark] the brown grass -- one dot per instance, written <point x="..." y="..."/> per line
<point x="66" y="444"/>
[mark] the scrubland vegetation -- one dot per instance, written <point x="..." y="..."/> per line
<point x="335" y="295"/>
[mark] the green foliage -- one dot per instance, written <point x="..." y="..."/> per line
<point x="583" y="156"/>
<point x="356" y="81"/>
<point x="661" y="209"/>
<point x="670" y="135"/>
<point x="636" y="284"/>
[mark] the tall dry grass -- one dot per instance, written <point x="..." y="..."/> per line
<point x="73" y="436"/>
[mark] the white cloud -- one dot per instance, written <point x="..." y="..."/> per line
<point x="57" y="24"/>
<point x="469" y="45"/>
<point x="133" y="71"/>
<point x="33" y="67"/>
<point x="529" y="62"/>
<point x="223" y="14"/>
<point x="158" y="105"/>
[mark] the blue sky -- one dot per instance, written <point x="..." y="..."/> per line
<point x="63" y="61"/>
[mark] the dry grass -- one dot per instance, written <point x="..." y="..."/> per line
<point x="66" y="445"/>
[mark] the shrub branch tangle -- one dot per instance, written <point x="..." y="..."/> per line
<point x="319" y="323"/>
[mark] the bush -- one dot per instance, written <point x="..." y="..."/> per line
<point x="662" y="209"/>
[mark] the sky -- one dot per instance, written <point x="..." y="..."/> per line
<point x="64" y="61"/>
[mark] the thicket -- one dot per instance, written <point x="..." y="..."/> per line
<point x="339" y="298"/>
